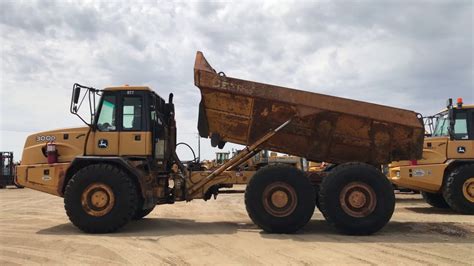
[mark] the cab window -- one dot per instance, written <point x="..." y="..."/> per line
<point x="132" y="113"/>
<point x="106" y="121"/>
<point x="460" y="126"/>
<point x="442" y="124"/>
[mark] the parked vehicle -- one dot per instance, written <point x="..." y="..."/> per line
<point x="124" y="163"/>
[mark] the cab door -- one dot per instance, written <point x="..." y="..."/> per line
<point x="462" y="144"/>
<point x="135" y="136"/>
<point x="105" y="137"/>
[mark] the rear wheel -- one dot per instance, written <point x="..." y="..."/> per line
<point x="357" y="199"/>
<point x="459" y="189"/>
<point x="280" y="199"/>
<point x="435" y="200"/>
<point x="100" y="198"/>
<point x="316" y="191"/>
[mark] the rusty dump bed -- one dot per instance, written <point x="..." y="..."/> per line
<point x="324" y="128"/>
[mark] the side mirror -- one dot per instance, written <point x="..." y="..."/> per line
<point x="77" y="93"/>
<point x="449" y="103"/>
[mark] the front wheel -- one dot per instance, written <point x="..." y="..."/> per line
<point x="357" y="199"/>
<point x="435" y="200"/>
<point x="280" y="199"/>
<point x="140" y="212"/>
<point x="459" y="189"/>
<point x="100" y="198"/>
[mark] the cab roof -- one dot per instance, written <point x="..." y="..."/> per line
<point x="128" y="88"/>
<point x="467" y="106"/>
<point x="463" y="107"/>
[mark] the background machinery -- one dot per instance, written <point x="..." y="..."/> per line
<point x="7" y="166"/>
<point x="445" y="174"/>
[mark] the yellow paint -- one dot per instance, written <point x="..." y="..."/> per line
<point x="112" y="138"/>
<point x="434" y="150"/>
<point x="431" y="180"/>
<point x="42" y="177"/>
<point x="128" y="88"/>
<point x="453" y="146"/>
<point x="68" y="148"/>
<point x="135" y="143"/>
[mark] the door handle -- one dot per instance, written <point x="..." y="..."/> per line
<point x="138" y="137"/>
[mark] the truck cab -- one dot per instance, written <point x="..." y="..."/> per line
<point x="131" y="126"/>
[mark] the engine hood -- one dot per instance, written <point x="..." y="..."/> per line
<point x="69" y="143"/>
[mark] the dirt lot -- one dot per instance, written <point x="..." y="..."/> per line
<point x="35" y="229"/>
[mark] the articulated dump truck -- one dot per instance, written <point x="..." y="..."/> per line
<point x="123" y="163"/>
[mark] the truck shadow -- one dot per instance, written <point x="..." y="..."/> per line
<point x="393" y="232"/>
<point x="153" y="229"/>
<point x="432" y="210"/>
<point x="409" y="201"/>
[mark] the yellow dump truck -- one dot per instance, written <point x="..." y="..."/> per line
<point x="123" y="162"/>
<point x="445" y="174"/>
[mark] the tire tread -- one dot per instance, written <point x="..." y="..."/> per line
<point x="119" y="176"/>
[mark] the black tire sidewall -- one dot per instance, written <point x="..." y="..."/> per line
<point x="141" y="213"/>
<point x="453" y="189"/>
<point x="331" y="206"/>
<point x="435" y="200"/>
<point x="123" y="189"/>
<point x="304" y="193"/>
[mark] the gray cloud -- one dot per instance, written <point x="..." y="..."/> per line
<point x="408" y="54"/>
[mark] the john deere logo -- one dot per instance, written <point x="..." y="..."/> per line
<point x="461" y="149"/>
<point x="103" y="143"/>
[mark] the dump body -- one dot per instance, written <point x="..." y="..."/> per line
<point x="324" y="128"/>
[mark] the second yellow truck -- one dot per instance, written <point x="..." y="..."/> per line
<point x="445" y="174"/>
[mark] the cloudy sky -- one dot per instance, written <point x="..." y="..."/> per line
<point x="408" y="54"/>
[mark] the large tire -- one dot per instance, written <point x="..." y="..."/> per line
<point x="318" y="203"/>
<point x="435" y="200"/>
<point x="280" y="199"/>
<point x="357" y="199"/>
<point x="458" y="189"/>
<point x="140" y="212"/>
<point x="100" y="198"/>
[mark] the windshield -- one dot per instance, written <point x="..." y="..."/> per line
<point x="106" y="120"/>
<point x="442" y="124"/>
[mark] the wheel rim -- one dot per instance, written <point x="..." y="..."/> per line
<point x="358" y="199"/>
<point x="97" y="199"/>
<point x="279" y="199"/>
<point x="468" y="189"/>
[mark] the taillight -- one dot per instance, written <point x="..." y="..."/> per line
<point x="413" y="162"/>
<point x="52" y="153"/>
